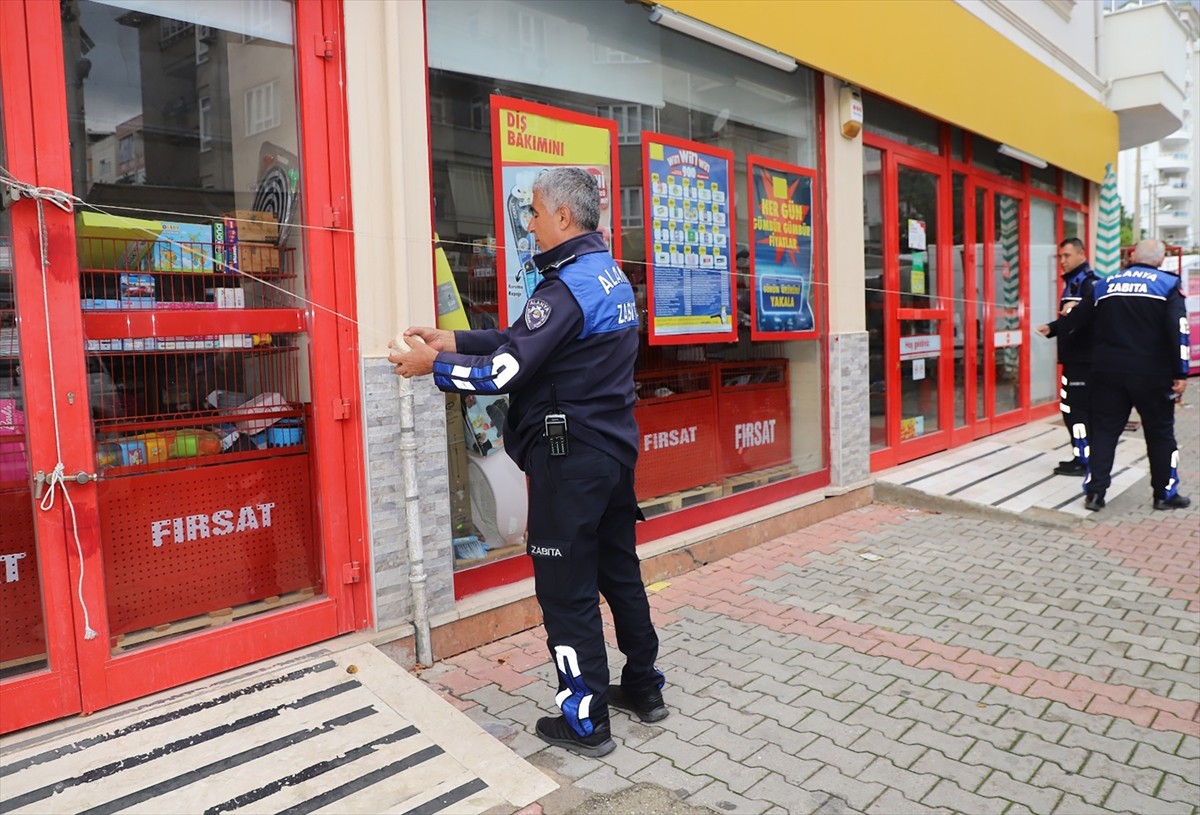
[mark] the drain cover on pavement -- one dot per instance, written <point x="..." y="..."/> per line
<point x="333" y="731"/>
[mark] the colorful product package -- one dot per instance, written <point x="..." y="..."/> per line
<point x="183" y="248"/>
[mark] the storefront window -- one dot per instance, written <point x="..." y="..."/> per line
<point x="1073" y="188"/>
<point x="185" y="149"/>
<point x="1074" y="225"/>
<point x="900" y="124"/>
<point x="601" y="64"/>
<point x="1043" y="300"/>
<point x="986" y="155"/>
<point x="878" y="326"/>
<point x="1044" y="179"/>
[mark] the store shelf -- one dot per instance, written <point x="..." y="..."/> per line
<point x="184" y="322"/>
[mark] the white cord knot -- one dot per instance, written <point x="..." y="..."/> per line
<point x="53" y="480"/>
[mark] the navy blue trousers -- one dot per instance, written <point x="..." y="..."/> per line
<point x="582" y="512"/>
<point x="1074" y="405"/>
<point x="1112" y="396"/>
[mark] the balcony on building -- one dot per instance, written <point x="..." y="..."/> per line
<point x="1174" y="190"/>
<point x="1175" y="141"/>
<point x="1178" y="160"/>
<point x="1172" y="218"/>
<point x="1148" y="83"/>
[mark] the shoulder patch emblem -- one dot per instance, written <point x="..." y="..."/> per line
<point x="537" y="311"/>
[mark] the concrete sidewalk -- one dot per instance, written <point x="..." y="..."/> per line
<point x="972" y="665"/>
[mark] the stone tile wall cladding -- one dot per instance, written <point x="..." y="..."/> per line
<point x="849" y="408"/>
<point x="385" y="477"/>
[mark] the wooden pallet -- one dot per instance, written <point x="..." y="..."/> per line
<point x="679" y="499"/>
<point x="212" y="619"/>
<point x="757" y="478"/>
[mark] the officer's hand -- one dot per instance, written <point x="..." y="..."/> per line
<point x="437" y="338"/>
<point x="1067" y="306"/>
<point x="417" y="361"/>
<point x="1179" y="386"/>
<point x="1044" y="330"/>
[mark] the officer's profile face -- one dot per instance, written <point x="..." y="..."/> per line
<point x="1069" y="257"/>
<point x="549" y="228"/>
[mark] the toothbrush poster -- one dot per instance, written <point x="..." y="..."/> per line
<point x="527" y="139"/>
<point x="781" y="252"/>
<point x="689" y="241"/>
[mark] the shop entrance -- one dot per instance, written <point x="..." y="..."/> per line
<point x="155" y="346"/>
<point x="908" y="319"/>
<point x="995" y="335"/>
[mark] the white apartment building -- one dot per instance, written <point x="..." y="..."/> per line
<point x="1159" y="182"/>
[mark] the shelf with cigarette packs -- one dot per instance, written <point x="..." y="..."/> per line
<point x="193" y="351"/>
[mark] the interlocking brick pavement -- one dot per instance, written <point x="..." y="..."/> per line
<point x="981" y="665"/>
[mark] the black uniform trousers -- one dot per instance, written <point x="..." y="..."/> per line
<point x="1073" y="403"/>
<point x="1112" y="395"/>
<point x="582" y="512"/>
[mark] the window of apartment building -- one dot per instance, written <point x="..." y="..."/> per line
<point x="631" y="207"/>
<point x="631" y="120"/>
<point x="206" y="137"/>
<point x="653" y="80"/>
<point x="262" y="108"/>
<point x="203" y="34"/>
<point x="125" y="149"/>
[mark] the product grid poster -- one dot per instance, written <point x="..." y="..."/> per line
<point x="527" y="139"/>
<point x="781" y="255"/>
<point x="690" y="242"/>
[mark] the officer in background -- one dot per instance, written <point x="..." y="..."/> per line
<point x="1074" y="353"/>
<point x="1140" y="354"/>
<point x="568" y="362"/>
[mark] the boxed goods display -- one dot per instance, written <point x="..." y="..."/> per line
<point x="183" y="247"/>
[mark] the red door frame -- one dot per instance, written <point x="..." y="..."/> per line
<point x="339" y="473"/>
<point x="52" y="691"/>
<point x="896" y="452"/>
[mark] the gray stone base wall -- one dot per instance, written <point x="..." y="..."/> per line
<point x="385" y="482"/>
<point x="849" y="408"/>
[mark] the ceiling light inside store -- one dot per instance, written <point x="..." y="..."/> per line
<point x="715" y="36"/>
<point x="762" y="90"/>
<point x="1021" y="155"/>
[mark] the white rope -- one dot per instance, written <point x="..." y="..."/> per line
<point x="55" y="481"/>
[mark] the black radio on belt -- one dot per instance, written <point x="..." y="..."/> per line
<point x="556" y="427"/>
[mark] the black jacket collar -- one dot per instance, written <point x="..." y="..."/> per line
<point x="1082" y="270"/>
<point x="570" y="249"/>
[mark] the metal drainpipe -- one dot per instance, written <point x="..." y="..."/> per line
<point x="408" y="432"/>
<point x="412" y="513"/>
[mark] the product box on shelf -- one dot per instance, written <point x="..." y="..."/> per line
<point x="225" y="246"/>
<point x="234" y="297"/>
<point x="258" y="258"/>
<point x="252" y="225"/>
<point x="183" y="247"/>
<point x="114" y="241"/>
<point x="137" y="291"/>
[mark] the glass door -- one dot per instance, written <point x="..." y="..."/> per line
<point x="999" y="316"/>
<point x="215" y="510"/>
<point x="39" y="677"/>
<point x="920" y="392"/>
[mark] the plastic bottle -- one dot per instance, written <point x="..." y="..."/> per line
<point x="189" y="443"/>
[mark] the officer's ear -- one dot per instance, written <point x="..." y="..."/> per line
<point x="563" y="217"/>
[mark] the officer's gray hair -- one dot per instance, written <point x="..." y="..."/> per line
<point x="1150" y="252"/>
<point x="574" y="189"/>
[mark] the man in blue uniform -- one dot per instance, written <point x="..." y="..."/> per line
<point x="567" y="362"/>
<point x="1140" y="353"/>
<point x="1074" y="353"/>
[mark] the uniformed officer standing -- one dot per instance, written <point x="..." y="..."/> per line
<point x="568" y="362"/>
<point x="1140" y="353"/>
<point x="1074" y="353"/>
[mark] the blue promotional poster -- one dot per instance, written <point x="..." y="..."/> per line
<point x="781" y="254"/>
<point x="689" y="241"/>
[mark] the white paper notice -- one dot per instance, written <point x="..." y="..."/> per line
<point x="918" y="369"/>
<point x="916" y="235"/>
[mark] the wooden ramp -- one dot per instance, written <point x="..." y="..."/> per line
<point x="1013" y="472"/>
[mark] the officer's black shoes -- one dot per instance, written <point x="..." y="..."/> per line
<point x="1176" y="501"/>
<point x="555" y="730"/>
<point x="1095" y="501"/>
<point x="1072" y="467"/>
<point x="648" y="705"/>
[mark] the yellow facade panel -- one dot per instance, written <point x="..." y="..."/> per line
<point x="937" y="57"/>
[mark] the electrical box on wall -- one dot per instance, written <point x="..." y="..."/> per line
<point x="850" y="111"/>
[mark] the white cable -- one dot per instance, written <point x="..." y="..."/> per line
<point x="55" y="480"/>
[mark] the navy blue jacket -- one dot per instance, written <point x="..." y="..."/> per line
<point x="1075" y="347"/>
<point x="1140" y="323"/>
<point x="578" y="332"/>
